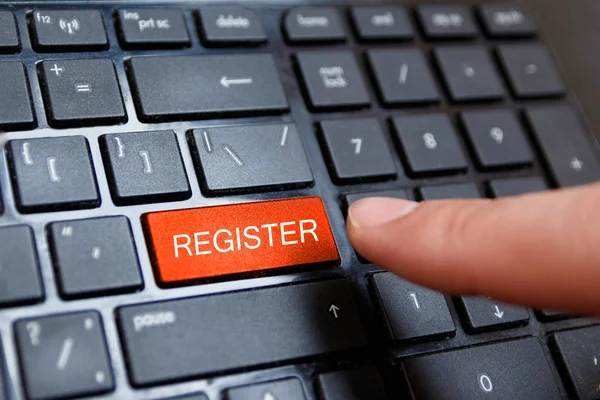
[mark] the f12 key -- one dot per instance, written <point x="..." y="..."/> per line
<point x="71" y="30"/>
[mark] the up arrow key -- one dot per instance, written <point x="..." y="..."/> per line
<point x="334" y="310"/>
<point x="226" y="82"/>
<point x="499" y="313"/>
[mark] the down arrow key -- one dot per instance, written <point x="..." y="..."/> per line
<point x="498" y="313"/>
<point x="483" y="314"/>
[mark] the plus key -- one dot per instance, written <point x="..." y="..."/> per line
<point x="80" y="92"/>
<point x="563" y="141"/>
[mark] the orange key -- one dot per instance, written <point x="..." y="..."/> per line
<point x="210" y="242"/>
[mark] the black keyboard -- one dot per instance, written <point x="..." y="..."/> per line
<point x="176" y="179"/>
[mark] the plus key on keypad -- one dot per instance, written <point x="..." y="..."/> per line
<point x="52" y="174"/>
<point x="80" y="92"/>
<point x="563" y="140"/>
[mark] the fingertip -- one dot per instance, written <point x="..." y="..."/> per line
<point x="374" y="211"/>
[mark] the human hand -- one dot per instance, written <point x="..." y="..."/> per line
<point x="541" y="250"/>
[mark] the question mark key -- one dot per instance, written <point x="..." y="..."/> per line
<point x="66" y="348"/>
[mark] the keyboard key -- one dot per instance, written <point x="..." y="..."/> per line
<point x="469" y="73"/>
<point x="358" y="384"/>
<point x="332" y="80"/>
<point x="58" y="167"/>
<point x="453" y="191"/>
<point x="551" y="315"/>
<point x="194" y="337"/>
<point x="314" y="24"/>
<point x="209" y="242"/>
<point x="94" y="256"/>
<point x="230" y="25"/>
<point x="144" y="167"/>
<point x="447" y="21"/>
<point x="506" y="20"/>
<point x="411" y="311"/>
<point x="563" y="140"/>
<point x="357" y="149"/>
<point x="497" y="138"/>
<point x="64" y="356"/>
<point x="19" y="273"/>
<point x="430" y="143"/>
<point x="78" y="92"/>
<point x="579" y="352"/>
<point x="141" y="28"/>
<point x="531" y="71"/>
<point x="3" y="377"/>
<point x="395" y="193"/>
<point x="9" y="35"/>
<point x="510" y="370"/>
<point x="285" y="389"/>
<point x="193" y="396"/>
<point x="16" y="111"/>
<point x="403" y="77"/>
<point x="250" y="158"/>
<point x="482" y="313"/>
<point x="67" y="30"/>
<point x="517" y="186"/>
<point x="376" y="23"/>
<point x="177" y="87"/>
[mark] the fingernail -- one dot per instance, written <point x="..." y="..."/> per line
<point x="375" y="211"/>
